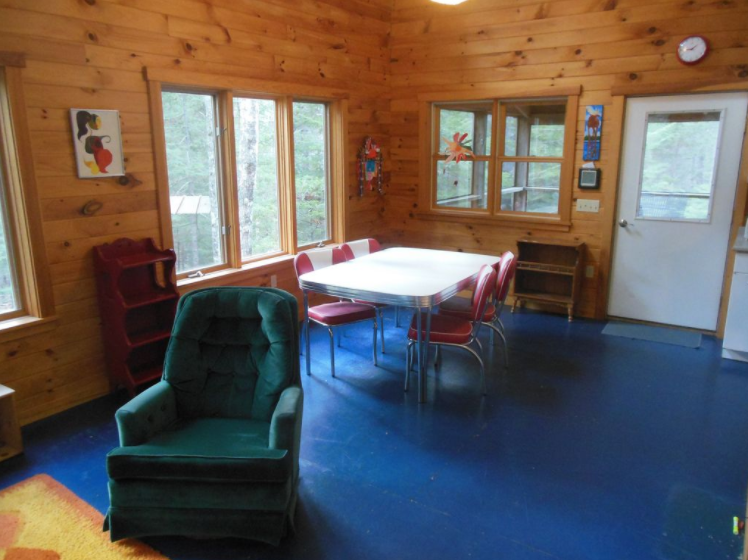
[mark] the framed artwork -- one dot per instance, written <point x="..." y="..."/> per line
<point x="98" y="143"/>
<point x="593" y="129"/>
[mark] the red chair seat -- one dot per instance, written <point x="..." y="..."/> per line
<point x="467" y="313"/>
<point x="444" y="329"/>
<point x="333" y="314"/>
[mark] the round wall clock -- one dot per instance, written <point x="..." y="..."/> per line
<point x="692" y="50"/>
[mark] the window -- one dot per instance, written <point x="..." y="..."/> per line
<point x="25" y="293"/>
<point x="679" y="165"/>
<point x="10" y="302"/>
<point x="502" y="159"/>
<point x="233" y="196"/>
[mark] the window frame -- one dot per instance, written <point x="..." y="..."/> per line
<point x="22" y="212"/>
<point x="284" y="94"/>
<point x="429" y="121"/>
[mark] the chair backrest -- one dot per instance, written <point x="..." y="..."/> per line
<point x="315" y="259"/>
<point x="359" y="248"/>
<point x="233" y="351"/>
<point x="507" y="268"/>
<point x="484" y="286"/>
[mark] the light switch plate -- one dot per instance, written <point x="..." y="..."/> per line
<point x="588" y="205"/>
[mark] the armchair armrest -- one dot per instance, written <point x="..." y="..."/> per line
<point x="285" y="425"/>
<point x="147" y="414"/>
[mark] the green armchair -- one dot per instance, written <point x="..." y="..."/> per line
<point x="212" y="450"/>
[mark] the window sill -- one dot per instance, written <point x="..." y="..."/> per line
<point x="234" y="276"/>
<point x="549" y="224"/>
<point x="12" y="329"/>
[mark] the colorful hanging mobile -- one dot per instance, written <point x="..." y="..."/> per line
<point x="458" y="149"/>
<point x="369" y="166"/>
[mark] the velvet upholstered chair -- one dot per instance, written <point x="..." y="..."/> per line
<point x="212" y="450"/>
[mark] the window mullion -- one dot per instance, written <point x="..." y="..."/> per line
<point x="286" y="179"/>
<point x="229" y="191"/>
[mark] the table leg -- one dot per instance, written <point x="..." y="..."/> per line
<point x="418" y="349"/>
<point x="306" y="330"/>
<point x="424" y="364"/>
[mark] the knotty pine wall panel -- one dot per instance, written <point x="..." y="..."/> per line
<point x="510" y="46"/>
<point x="91" y="54"/>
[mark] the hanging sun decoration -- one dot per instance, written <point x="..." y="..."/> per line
<point x="457" y="150"/>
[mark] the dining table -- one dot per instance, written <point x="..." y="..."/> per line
<point x="402" y="276"/>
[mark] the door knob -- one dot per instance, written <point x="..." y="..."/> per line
<point x="623" y="223"/>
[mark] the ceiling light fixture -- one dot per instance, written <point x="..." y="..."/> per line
<point x="449" y="2"/>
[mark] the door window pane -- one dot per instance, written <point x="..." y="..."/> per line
<point x="257" y="176"/>
<point x="462" y="185"/>
<point x="192" y="162"/>
<point x="530" y="186"/>
<point x="680" y="156"/>
<point x="473" y="119"/>
<point x="9" y="301"/>
<point x="311" y="171"/>
<point x="535" y="129"/>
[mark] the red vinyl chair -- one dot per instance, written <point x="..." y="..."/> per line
<point x="331" y="315"/>
<point x="462" y="307"/>
<point x="447" y="330"/>
<point x="360" y="248"/>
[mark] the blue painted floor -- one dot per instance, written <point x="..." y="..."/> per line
<point x="589" y="447"/>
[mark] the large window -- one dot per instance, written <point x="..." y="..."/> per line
<point x="233" y="197"/>
<point x="25" y="293"/>
<point x="506" y="159"/>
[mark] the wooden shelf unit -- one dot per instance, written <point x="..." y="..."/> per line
<point x="548" y="271"/>
<point x="138" y="301"/>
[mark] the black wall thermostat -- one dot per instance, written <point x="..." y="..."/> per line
<point x="589" y="178"/>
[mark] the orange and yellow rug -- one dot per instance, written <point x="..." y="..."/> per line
<point x="40" y="519"/>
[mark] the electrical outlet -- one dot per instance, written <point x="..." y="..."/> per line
<point x="588" y="205"/>
<point x="273" y="281"/>
<point x="589" y="271"/>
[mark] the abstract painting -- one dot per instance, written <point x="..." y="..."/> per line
<point x="98" y="143"/>
<point x="593" y="129"/>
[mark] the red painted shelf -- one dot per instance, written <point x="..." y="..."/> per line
<point x="138" y="300"/>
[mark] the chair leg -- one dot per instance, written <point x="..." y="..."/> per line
<point x="306" y="329"/>
<point x="340" y="330"/>
<point x="502" y="337"/>
<point x="408" y="363"/>
<point x="381" y="327"/>
<point x="332" y="351"/>
<point x="375" y="340"/>
<point x="494" y="330"/>
<point x="438" y="357"/>
<point x="482" y="368"/>
<point x="397" y="316"/>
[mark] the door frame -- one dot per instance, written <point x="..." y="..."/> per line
<point x="610" y="197"/>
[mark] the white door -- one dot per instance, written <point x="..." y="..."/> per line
<point x="679" y="171"/>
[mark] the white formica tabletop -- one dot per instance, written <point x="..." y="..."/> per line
<point x="399" y="276"/>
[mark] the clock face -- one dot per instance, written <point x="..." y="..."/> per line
<point x="692" y="49"/>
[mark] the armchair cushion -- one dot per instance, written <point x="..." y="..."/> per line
<point x="204" y="449"/>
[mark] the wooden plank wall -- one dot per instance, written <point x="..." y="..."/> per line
<point x="90" y="54"/>
<point x="510" y="46"/>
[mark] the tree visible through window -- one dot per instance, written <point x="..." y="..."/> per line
<point x="257" y="176"/>
<point x="310" y="161"/>
<point x="190" y="131"/>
